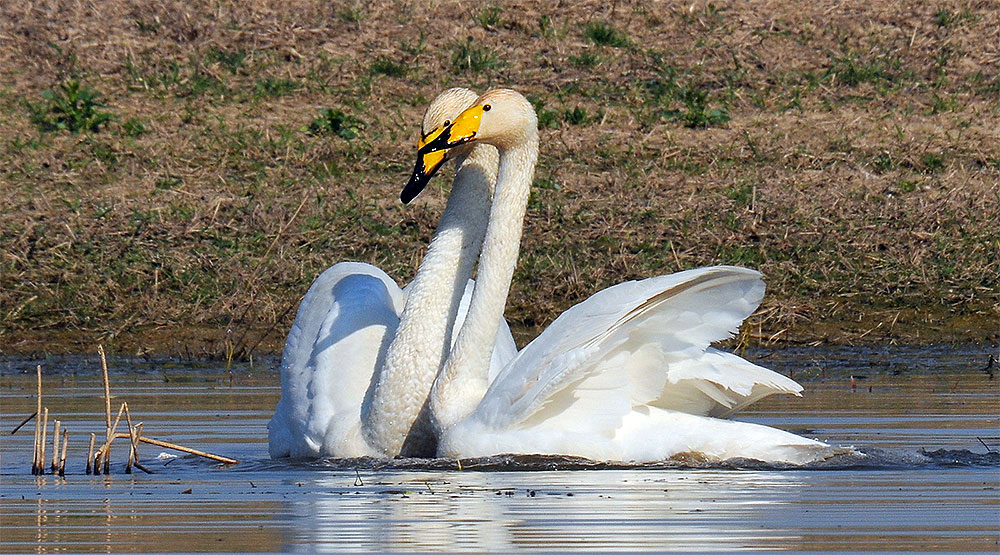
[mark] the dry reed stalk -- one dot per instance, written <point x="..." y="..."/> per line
<point x="41" y="444"/>
<point x="107" y="393"/>
<point x="55" y="447"/>
<point x="132" y="441"/>
<point x="62" y="458"/>
<point x="105" y="451"/>
<point x="183" y="449"/>
<point x="35" y="465"/>
<point x="138" y="434"/>
<point x="90" y="454"/>
<point x="23" y="422"/>
<point x="97" y="462"/>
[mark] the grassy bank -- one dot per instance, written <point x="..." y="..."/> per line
<point x="175" y="174"/>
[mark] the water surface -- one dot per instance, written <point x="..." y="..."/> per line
<point x="926" y="420"/>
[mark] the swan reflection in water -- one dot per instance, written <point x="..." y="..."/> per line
<point x="491" y="511"/>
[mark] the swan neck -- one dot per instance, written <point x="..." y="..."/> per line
<point x="464" y="378"/>
<point x="392" y="409"/>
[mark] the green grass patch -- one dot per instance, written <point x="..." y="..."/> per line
<point x="470" y="57"/>
<point x="490" y="16"/>
<point x="383" y="65"/>
<point x="335" y="122"/>
<point x="275" y="86"/>
<point x="70" y="107"/>
<point x="602" y="33"/>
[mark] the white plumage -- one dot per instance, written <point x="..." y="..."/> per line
<point x="628" y="374"/>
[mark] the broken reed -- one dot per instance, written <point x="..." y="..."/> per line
<point x="101" y="457"/>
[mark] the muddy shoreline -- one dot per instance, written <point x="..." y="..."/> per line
<point x="213" y="343"/>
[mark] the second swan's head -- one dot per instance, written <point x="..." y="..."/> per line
<point x="442" y="111"/>
<point x="502" y="117"/>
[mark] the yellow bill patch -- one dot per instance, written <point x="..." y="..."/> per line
<point x="466" y="125"/>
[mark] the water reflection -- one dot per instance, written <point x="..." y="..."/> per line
<point x="897" y="499"/>
<point x="663" y="510"/>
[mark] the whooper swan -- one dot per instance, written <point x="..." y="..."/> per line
<point x="628" y="374"/>
<point x="362" y="354"/>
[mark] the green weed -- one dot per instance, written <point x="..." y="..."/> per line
<point x="932" y="162"/>
<point x="383" y="65"/>
<point x="579" y="116"/>
<point x="232" y="60"/>
<point x="470" y="57"/>
<point x="547" y="118"/>
<point x="133" y="127"/>
<point x="941" y="104"/>
<point x="70" y="107"/>
<point x="275" y="86"/>
<point x="947" y="18"/>
<point x="883" y="162"/>
<point x="696" y="112"/>
<point x="604" y="34"/>
<point x="586" y="60"/>
<point x="336" y="122"/>
<point x="741" y="194"/>
<point x="852" y="69"/>
<point x="489" y="17"/>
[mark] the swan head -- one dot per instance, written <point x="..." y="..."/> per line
<point x="502" y="117"/>
<point x="442" y="111"/>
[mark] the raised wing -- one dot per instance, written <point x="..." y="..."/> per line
<point x="637" y="343"/>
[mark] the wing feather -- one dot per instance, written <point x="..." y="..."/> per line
<point x="330" y="354"/>
<point x="638" y="343"/>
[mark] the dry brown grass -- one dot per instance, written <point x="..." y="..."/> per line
<point x="859" y="170"/>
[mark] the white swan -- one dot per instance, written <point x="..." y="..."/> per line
<point x="628" y="374"/>
<point x="362" y="354"/>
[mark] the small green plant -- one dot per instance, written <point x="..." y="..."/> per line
<point x="415" y="49"/>
<point x="470" y="57"/>
<point x="547" y="119"/>
<point x="941" y="104"/>
<point x="697" y="112"/>
<point x="586" y="60"/>
<point x="351" y="15"/>
<point x="133" y="127"/>
<point x="883" y="162"/>
<point x="275" y="86"/>
<point x="231" y="60"/>
<point x="489" y="17"/>
<point x="579" y="116"/>
<point x="168" y="182"/>
<point x="932" y="162"/>
<point x="852" y="70"/>
<point x="947" y="18"/>
<point x="741" y="194"/>
<point x="144" y="26"/>
<point x="386" y="66"/>
<point x="336" y="122"/>
<point x="70" y="107"/>
<point x="604" y="34"/>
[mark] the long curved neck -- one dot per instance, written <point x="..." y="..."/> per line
<point x="390" y="411"/>
<point x="465" y="376"/>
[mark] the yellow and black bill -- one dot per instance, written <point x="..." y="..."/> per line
<point x="433" y="148"/>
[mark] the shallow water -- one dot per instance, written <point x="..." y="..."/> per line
<point x="927" y="420"/>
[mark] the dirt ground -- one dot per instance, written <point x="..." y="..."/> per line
<point x="850" y="151"/>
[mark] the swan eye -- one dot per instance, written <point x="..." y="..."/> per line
<point x="486" y="107"/>
<point x="447" y="122"/>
